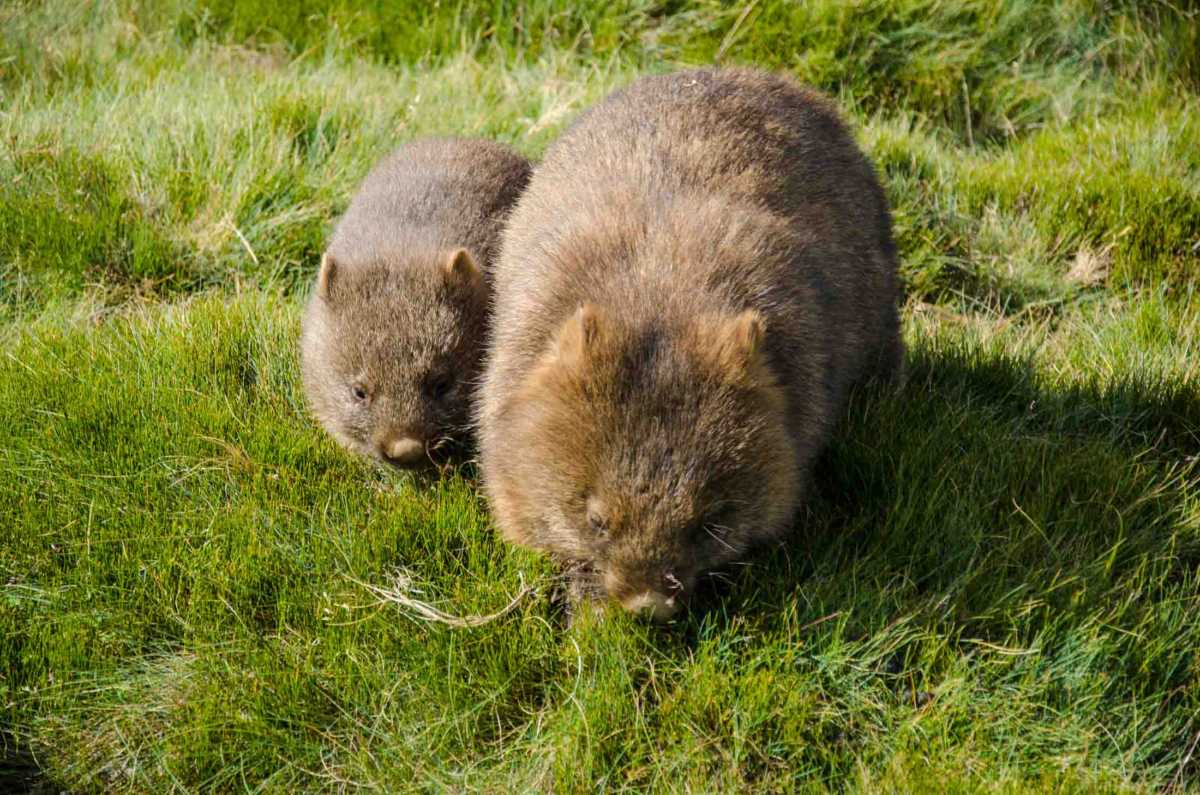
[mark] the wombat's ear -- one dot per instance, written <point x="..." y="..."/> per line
<point x="327" y="277"/>
<point x="580" y="334"/>
<point x="461" y="269"/>
<point x="739" y="341"/>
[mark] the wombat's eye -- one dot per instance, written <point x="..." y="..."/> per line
<point x="437" y="386"/>
<point x="360" y="392"/>
<point x="597" y="525"/>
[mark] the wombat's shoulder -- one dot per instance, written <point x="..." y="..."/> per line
<point x="449" y="171"/>
<point x="434" y="193"/>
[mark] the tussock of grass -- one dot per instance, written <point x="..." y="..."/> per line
<point x="994" y="586"/>
<point x="73" y="215"/>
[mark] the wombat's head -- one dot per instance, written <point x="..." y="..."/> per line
<point x="655" y="455"/>
<point x="389" y="354"/>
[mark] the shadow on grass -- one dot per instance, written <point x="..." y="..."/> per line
<point x="976" y="482"/>
<point x="20" y="772"/>
<point x="982" y="509"/>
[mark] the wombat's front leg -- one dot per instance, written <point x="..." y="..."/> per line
<point x="581" y="592"/>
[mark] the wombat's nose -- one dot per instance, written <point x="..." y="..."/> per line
<point x="657" y="606"/>
<point x="403" y="451"/>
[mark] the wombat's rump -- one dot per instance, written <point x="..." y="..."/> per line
<point x="697" y="273"/>
<point x="395" y="330"/>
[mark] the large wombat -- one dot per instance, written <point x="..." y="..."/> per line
<point x="394" y="333"/>
<point x="697" y="273"/>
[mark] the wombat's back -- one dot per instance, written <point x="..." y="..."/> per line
<point x="643" y="204"/>
<point x="433" y="193"/>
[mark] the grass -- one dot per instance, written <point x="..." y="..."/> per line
<point x="995" y="586"/>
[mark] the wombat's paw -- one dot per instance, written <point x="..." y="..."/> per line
<point x="580" y="594"/>
<point x="585" y="610"/>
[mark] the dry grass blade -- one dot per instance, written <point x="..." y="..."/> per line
<point x="401" y="593"/>
<point x="1090" y="267"/>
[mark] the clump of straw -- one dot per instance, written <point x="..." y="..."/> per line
<point x="402" y="593"/>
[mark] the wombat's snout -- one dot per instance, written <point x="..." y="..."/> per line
<point x="659" y="604"/>
<point x="403" y="451"/>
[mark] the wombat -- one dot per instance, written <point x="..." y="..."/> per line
<point x="394" y="333"/>
<point x="697" y="273"/>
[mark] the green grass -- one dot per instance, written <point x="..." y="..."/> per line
<point x="995" y="585"/>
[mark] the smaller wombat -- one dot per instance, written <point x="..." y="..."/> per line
<point x="394" y="332"/>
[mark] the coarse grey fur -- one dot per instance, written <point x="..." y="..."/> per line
<point x="698" y="272"/>
<point x="395" y="330"/>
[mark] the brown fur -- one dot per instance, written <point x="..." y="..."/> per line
<point x="698" y="272"/>
<point x="394" y="332"/>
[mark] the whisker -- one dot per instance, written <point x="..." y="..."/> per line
<point x="718" y="538"/>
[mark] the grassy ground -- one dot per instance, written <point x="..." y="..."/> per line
<point x="996" y="586"/>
